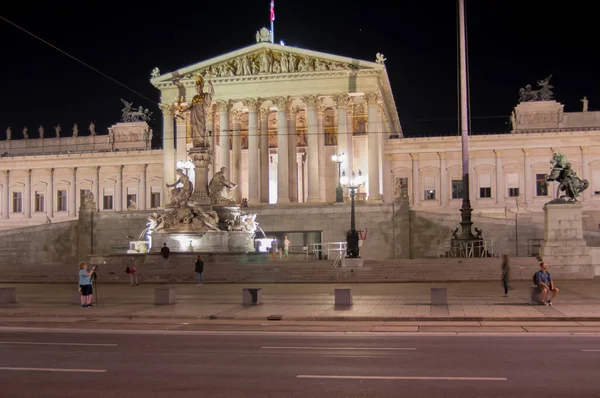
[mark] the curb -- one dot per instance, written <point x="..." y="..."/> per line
<point x="274" y="318"/>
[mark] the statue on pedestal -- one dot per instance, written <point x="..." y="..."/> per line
<point x="181" y="195"/>
<point x="220" y="188"/>
<point x="92" y="129"/>
<point x="87" y="200"/>
<point x="41" y="131"/>
<point x="198" y="111"/>
<point x="75" y="130"/>
<point x="585" y="103"/>
<point x="25" y="133"/>
<point x="8" y="134"/>
<point x="568" y="180"/>
<point x="57" y="130"/>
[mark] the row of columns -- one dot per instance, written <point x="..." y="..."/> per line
<point x="529" y="181"/>
<point x="28" y="199"/>
<point x="258" y="150"/>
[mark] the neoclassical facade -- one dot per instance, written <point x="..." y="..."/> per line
<point x="278" y="115"/>
<point x="506" y="170"/>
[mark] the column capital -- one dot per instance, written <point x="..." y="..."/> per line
<point x="342" y="100"/>
<point x="52" y="171"/>
<point x="585" y="149"/>
<point x="350" y="110"/>
<point x="168" y="110"/>
<point x="121" y="167"/>
<point x="526" y="151"/>
<point x="264" y="113"/>
<point x="414" y="156"/>
<point x="442" y="155"/>
<point x="252" y="104"/>
<point x="145" y="167"/>
<point x="237" y="115"/>
<point x="311" y="101"/>
<point x="223" y="105"/>
<point x="282" y="103"/>
<point x="498" y="152"/>
<point x="373" y="98"/>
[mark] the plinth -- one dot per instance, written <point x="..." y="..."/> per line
<point x="202" y="159"/>
<point x="563" y="235"/>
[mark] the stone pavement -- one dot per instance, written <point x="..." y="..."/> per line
<point x="579" y="301"/>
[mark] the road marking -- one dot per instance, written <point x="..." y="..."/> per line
<point x="590" y="350"/>
<point x="71" y="344"/>
<point x="56" y="370"/>
<point x="340" y="348"/>
<point x="403" y="378"/>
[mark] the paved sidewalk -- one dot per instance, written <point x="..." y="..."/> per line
<point x="467" y="301"/>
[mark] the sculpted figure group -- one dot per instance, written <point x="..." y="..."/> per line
<point x="568" y="181"/>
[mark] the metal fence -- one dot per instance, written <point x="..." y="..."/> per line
<point x="468" y="249"/>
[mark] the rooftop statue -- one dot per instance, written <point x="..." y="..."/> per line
<point x="527" y="94"/>
<point x="130" y="114"/>
<point x="567" y="179"/>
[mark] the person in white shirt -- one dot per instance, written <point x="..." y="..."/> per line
<point x="286" y="246"/>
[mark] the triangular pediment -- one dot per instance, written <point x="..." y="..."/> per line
<point x="267" y="59"/>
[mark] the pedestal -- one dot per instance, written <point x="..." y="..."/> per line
<point x="563" y="235"/>
<point x="202" y="159"/>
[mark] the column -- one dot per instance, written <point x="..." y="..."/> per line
<point x="349" y="140"/>
<point x="142" y="200"/>
<point x="321" y="138"/>
<point x="292" y="153"/>
<point x="181" y="134"/>
<point x="168" y="149"/>
<point x="500" y="191"/>
<point x="119" y="191"/>
<point x="97" y="193"/>
<point x="443" y="180"/>
<point x="312" y="148"/>
<point x="50" y="195"/>
<point x="342" y="101"/>
<point x="373" y="146"/>
<point x="224" y="146"/>
<point x="585" y="173"/>
<point x="264" y="155"/>
<point x="210" y="128"/>
<point x="72" y="206"/>
<point x="528" y="186"/>
<point x="5" y="194"/>
<point x="416" y="190"/>
<point x="27" y="196"/>
<point x="253" y="158"/>
<point x="236" y="154"/>
<point x="283" y="193"/>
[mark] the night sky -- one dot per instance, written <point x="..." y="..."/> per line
<point x="511" y="43"/>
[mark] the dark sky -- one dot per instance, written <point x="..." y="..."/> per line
<point x="511" y="43"/>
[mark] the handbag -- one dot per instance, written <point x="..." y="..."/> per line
<point x="127" y="270"/>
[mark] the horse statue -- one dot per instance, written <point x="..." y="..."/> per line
<point x="567" y="179"/>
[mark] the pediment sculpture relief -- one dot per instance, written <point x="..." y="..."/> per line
<point x="269" y="62"/>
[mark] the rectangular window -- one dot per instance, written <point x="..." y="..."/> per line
<point x="155" y="200"/>
<point x="17" y="202"/>
<point x="429" y="194"/>
<point x="457" y="189"/>
<point x="485" y="185"/>
<point x="39" y="201"/>
<point x="132" y="201"/>
<point x="429" y="187"/>
<point x="485" y="192"/>
<point x="513" y="192"/>
<point x="107" y="203"/>
<point x="61" y="200"/>
<point x="541" y="186"/>
<point x="596" y="182"/>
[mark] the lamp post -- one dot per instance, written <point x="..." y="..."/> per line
<point x="339" y="191"/>
<point x="352" y="237"/>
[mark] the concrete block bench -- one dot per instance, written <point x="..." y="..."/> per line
<point x="439" y="296"/>
<point x="251" y="296"/>
<point x="164" y="295"/>
<point x="8" y="295"/>
<point x="343" y="297"/>
<point x="535" y="295"/>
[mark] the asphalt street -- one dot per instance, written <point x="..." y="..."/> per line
<point x="152" y="364"/>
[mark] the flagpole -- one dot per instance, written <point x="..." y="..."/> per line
<point x="272" y="33"/>
<point x="272" y="17"/>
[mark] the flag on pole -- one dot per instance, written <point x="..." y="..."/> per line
<point x="272" y="10"/>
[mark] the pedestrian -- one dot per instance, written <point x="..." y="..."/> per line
<point x="199" y="271"/>
<point x="133" y="276"/>
<point x="85" y="284"/>
<point x="286" y="247"/>
<point x="274" y="250"/>
<point x="165" y="253"/>
<point x="506" y="275"/>
<point x="545" y="283"/>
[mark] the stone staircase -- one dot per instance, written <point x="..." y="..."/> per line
<point x="259" y="269"/>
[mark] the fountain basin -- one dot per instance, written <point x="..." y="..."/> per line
<point x="208" y="242"/>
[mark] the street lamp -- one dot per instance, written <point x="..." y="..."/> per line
<point x="339" y="191"/>
<point x="352" y="237"/>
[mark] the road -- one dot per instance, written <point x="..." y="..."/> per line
<point x="214" y="364"/>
